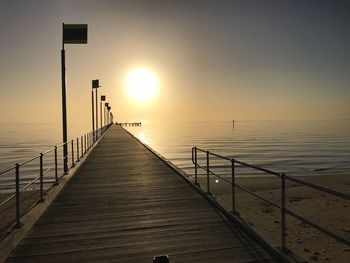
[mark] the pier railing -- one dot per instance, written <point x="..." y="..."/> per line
<point x="202" y="160"/>
<point x="34" y="177"/>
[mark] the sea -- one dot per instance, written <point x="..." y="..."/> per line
<point x="300" y="147"/>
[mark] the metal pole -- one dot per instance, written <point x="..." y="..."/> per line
<point x="41" y="179"/>
<point x="78" y="149"/>
<point x="18" y="215"/>
<point x="56" y="170"/>
<point x="96" y="114"/>
<point x="208" y="186"/>
<point x="233" y="188"/>
<point x="93" y="119"/>
<point x="89" y="140"/>
<point x="84" y="143"/>
<point x="195" y="167"/>
<point x="283" y="212"/>
<point x="101" y="114"/>
<point x="64" y="108"/>
<point x="104" y="111"/>
<point x="83" y="139"/>
<point x="72" y="153"/>
<point x="82" y="146"/>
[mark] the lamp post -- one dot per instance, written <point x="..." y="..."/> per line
<point x="95" y="85"/>
<point x="93" y="119"/>
<point x="71" y="34"/>
<point x="106" y="107"/>
<point x="103" y="98"/>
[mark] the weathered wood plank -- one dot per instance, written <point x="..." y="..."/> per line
<point x="125" y="205"/>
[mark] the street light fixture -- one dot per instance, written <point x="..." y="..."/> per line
<point x="71" y="34"/>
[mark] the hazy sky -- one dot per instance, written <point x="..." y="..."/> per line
<point x="215" y="60"/>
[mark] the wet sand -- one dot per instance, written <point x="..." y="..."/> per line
<point x="327" y="210"/>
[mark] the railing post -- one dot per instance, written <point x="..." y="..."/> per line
<point x="208" y="171"/>
<point x="82" y="146"/>
<point x="72" y="153"/>
<point x="89" y="139"/>
<point x="77" y="149"/>
<point x="283" y="211"/>
<point x="195" y="167"/>
<point x="233" y="186"/>
<point x="41" y="178"/>
<point x="84" y="143"/>
<point x="56" y="171"/>
<point x="18" y="212"/>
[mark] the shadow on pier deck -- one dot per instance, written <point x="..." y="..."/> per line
<point x="125" y="205"/>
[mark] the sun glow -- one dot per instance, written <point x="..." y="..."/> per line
<point x="141" y="84"/>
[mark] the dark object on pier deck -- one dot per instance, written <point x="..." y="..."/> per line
<point x="126" y="205"/>
<point x="161" y="259"/>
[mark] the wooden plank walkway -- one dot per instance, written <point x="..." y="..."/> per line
<point x="125" y="205"/>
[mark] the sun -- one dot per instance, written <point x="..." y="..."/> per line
<point x="141" y="84"/>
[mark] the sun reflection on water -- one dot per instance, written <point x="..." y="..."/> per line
<point x="142" y="137"/>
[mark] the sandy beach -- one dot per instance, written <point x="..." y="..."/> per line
<point x="324" y="209"/>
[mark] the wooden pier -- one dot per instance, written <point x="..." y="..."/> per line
<point x="125" y="205"/>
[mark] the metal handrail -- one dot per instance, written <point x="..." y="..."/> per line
<point x="86" y="142"/>
<point x="320" y="188"/>
<point x="7" y="170"/>
<point x="258" y="168"/>
<point x="29" y="160"/>
<point x="282" y="206"/>
<point x="30" y="183"/>
<point x="48" y="151"/>
<point x="6" y="200"/>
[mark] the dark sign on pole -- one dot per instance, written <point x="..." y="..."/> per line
<point x="103" y="98"/>
<point x="95" y="84"/>
<point x="75" y="33"/>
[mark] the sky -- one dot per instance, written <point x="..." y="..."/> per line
<point x="214" y="60"/>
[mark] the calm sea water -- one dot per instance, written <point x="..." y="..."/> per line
<point x="19" y="142"/>
<point x="296" y="147"/>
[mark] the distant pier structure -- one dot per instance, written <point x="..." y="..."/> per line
<point x="129" y="123"/>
